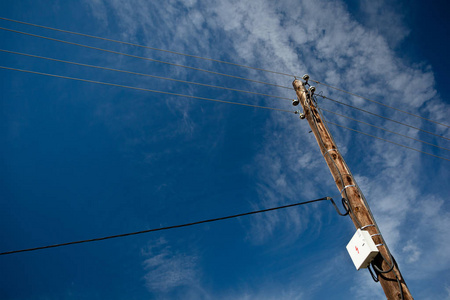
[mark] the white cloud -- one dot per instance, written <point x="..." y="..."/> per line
<point x="305" y="37"/>
<point x="167" y="269"/>
<point x="385" y="18"/>
<point x="412" y="251"/>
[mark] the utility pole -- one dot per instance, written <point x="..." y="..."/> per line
<point x="390" y="277"/>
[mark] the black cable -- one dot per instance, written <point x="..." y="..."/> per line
<point x="172" y="227"/>
<point x="400" y="287"/>
<point x="364" y="200"/>
<point x="391" y="267"/>
<point x="144" y="58"/>
<point x="348" y="207"/>
<point x="373" y="114"/>
<point x="146" y="90"/>
<point x="381" y="272"/>
<point x="374" y="277"/>
<point x="378" y="270"/>
<point x="344" y="204"/>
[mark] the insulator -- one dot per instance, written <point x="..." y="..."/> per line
<point x="295" y="102"/>
<point x="305" y="77"/>
<point x="302" y="116"/>
<point x="312" y="90"/>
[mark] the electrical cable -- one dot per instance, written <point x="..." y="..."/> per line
<point x="345" y="199"/>
<point x="214" y="60"/>
<point x="391" y="266"/>
<point x="381" y="272"/>
<point x="380" y="103"/>
<point x="171" y="227"/>
<point x="142" y="74"/>
<point x="335" y="113"/>
<point x="373" y="114"/>
<point x="400" y="287"/>
<point x="348" y="207"/>
<point x="146" y="90"/>
<point x="144" y="58"/>
<point x="342" y="182"/>
<point x="377" y="270"/>
<point x="374" y="277"/>
<point x="147" y="47"/>
<point x="344" y="204"/>
<point x="356" y="185"/>
<point x="401" y="145"/>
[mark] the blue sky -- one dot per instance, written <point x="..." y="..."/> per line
<point x="81" y="160"/>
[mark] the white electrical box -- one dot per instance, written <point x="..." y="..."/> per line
<point x="362" y="249"/>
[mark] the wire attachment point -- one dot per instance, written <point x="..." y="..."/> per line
<point x="344" y="204"/>
<point x="364" y="227"/>
<point x="347" y="186"/>
<point x="332" y="149"/>
<point x="305" y="78"/>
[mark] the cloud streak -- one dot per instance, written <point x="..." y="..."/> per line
<point x="297" y="38"/>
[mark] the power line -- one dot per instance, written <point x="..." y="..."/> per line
<point x="144" y="58"/>
<point x="371" y="113"/>
<point x="380" y="103"/>
<point x="173" y="227"/>
<point x="388" y="141"/>
<point x="146" y="90"/>
<point x="332" y="112"/>
<point x="142" y="74"/>
<point x="216" y="60"/>
<point x="148" y="47"/>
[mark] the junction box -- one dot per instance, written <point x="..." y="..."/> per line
<point x="362" y="249"/>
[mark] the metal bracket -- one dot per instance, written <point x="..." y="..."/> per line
<point x="347" y="186"/>
<point x="333" y="149"/>
<point x="364" y="227"/>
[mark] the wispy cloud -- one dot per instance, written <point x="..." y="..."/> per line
<point x="354" y="55"/>
<point x="168" y="270"/>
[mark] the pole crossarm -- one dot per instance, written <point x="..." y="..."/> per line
<point x="385" y="266"/>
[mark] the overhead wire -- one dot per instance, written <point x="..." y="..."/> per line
<point x="174" y="226"/>
<point x="141" y="74"/>
<point x="259" y="82"/>
<point x="345" y="198"/>
<point x="381" y="128"/>
<point x="216" y="60"/>
<point x="401" y="145"/>
<point x="380" y="103"/>
<point x="144" y="58"/>
<point x="377" y="115"/>
<point x="148" y="47"/>
<point x="147" y="90"/>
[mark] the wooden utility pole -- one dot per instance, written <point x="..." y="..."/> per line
<point x="392" y="282"/>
